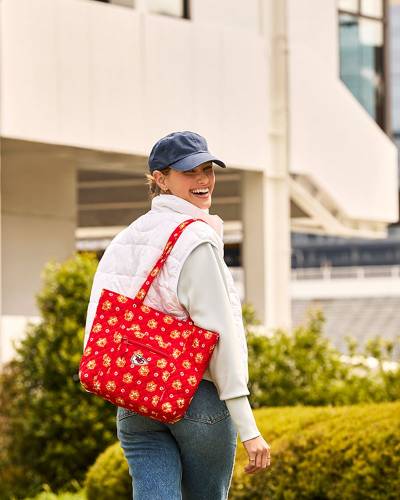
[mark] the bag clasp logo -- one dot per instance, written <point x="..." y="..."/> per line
<point x="138" y="359"/>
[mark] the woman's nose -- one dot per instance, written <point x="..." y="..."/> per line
<point x="202" y="177"/>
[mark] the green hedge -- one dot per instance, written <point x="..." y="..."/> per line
<point x="348" y="452"/>
<point x="302" y="367"/>
<point x="51" y="428"/>
<point x="48" y="495"/>
<point x="108" y="478"/>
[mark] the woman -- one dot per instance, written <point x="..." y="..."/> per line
<point x="193" y="457"/>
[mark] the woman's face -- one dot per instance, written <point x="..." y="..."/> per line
<point x="195" y="186"/>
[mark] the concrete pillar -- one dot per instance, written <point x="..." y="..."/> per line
<point x="1" y="256"/>
<point x="265" y="195"/>
<point x="254" y="242"/>
<point x="38" y="220"/>
<point x="266" y="247"/>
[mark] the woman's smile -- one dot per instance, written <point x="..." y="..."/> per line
<point x="201" y="192"/>
<point x="195" y="185"/>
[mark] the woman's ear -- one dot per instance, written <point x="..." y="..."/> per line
<point x="160" y="180"/>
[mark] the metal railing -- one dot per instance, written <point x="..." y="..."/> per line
<point x="355" y="272"/>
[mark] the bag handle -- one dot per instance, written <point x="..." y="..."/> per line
<point x="141" y="294"/>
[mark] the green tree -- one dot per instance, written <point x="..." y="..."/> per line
<point x="52" y="429"/>
<point x="302" y="367"/>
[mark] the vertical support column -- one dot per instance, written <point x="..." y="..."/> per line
<point x="276" y="176"/>
<point x="265" y="195"/>
<point x="277" y="249"/>
<point x="254" y="242"/>
<point x="1" y="256"/>
<point x="1" y="196"/>
<point x="266" y="247"/>
<point x="38" y="219"/>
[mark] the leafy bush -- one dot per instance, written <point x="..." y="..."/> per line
<point x="303" y="368"/>
<point x="108" y="478"/>
<point x="48" y="495"/>
<point x="53" y="428"/>
<point x="351" y="453"/>
<point x="342" y="452"/>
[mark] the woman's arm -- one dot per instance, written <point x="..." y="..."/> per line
<point x="203" y="292"/>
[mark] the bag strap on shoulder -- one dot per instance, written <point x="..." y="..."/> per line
<point x="161" y="261"/>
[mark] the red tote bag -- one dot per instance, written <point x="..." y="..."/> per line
<point x="142" y="359"/>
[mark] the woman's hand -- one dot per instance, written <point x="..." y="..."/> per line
<point x="259" y="454"/>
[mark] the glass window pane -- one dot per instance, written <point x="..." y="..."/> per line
<point x="349" y="55"/>
<point x="372" y="8"/>
<point x="349" y="5"/>
<point x="166" y="7"/>
<point x="124" y="3"/>
<point x="361" y="62"/>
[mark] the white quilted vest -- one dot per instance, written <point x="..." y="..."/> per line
<point x="133" y="252"/>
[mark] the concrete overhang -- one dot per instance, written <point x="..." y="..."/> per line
<point x="314" y="211"/>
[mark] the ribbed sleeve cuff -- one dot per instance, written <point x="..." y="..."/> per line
<point x="243" y="418"/>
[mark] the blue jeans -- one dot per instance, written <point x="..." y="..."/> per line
<point x="192" y="459"/>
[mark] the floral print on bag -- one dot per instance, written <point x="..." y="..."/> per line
<point x="142" y="359"/>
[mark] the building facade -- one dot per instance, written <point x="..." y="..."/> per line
<point x="88" y="86"/>
<point x="356" y="281"/>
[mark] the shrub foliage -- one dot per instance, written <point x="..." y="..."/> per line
<point x="302" y="367"/>
<point x="54" y="428"/>
<point x="108" y="478"/>
<point x="347" y="452"/>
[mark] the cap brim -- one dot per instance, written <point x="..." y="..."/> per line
<point x="194" y="160"/>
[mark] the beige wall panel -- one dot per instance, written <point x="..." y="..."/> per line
<point x="74" y="76"/>
<point x="244" y="101"/>
<point x="38" y="224"/>
<point x="243" y="15"/>
<point x="28" y="244"/>
<point x="29" y="76"/>
<point x="208" y="85"/>
<point x="315" y="23"/>
<point x="170" y="78"/>
<point x="117" y="79"/>
<point x="38" y="187"/>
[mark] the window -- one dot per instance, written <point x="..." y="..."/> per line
<point x="394" y="19"/>
<point x="124" y="3"/>
<point x="174" y="8"/>
<point x="362" y="53"/>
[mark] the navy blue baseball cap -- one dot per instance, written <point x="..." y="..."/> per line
<point x="181" y="151"/>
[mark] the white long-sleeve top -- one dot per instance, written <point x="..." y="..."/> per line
<point x="203" y="292"/>
<point x="129" y="258"/>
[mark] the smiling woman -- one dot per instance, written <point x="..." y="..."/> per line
<point x="194" y="284"/>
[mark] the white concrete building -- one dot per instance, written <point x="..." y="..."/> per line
<point x="87" y="87"/>
<point x="356" y="281"/>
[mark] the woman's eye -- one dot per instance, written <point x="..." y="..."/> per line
<point x="205" y="170"/>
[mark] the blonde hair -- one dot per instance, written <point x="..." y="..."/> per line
<point x="154" y="188"/>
